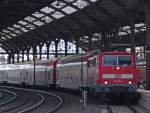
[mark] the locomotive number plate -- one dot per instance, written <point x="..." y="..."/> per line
<point x="117" y="75"/>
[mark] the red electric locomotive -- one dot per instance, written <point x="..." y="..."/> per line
<point x="110" y="73"/>
<point x="106" y="73"/>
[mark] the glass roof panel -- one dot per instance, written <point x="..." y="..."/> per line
<point x="30" y="26"/>
<point x="30" y="19"/>
<point x="2" y="33"/>
<point x="38" y="23"/>
<point x="8" y="36"/>
<point x="3" y="38"/>
<point x="47" y="19"/>
<point x="24" y="29"/>
<point x="58" y="4"/>
<point x="136" y="31"/>
<point x="11" y="28"/>
<point x="38" y="15"/>
<point x="93" y="0"/>
<point x="12" y="34"/>
<point x="22" y="22"/>
<point x="94" y="39"/>
<point x="16" y="26"/>
<point x="86" y="37"/>
<point x="139" y="25"/>
<point x="69" y="1"/>
<point x="81" y="4"/>
<point x="47" y="10"/>
<point x="5" y="31"/>
<point x="142" y="29"/>
<point x="123" y="33"/>
<point x="57" y="15"/>
<point x="17" y="31"/>
<point x="69" y="10"/>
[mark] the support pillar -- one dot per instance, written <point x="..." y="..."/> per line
<point x="22" y="55"/>
<point x="28" y="55"/>
<point x="47" y="46"/>
<point x="147" y="12"/>
<point x="66" y="49"/>
<point x="9" y="58"/>
<point x="132" y="36"/>
<point x="34" y="50"/>
<point x="13" y="58"/>
<point x="105" y="41"/>
<point x="18" y="57"/>
<point x="77" y="45"/>
<point x="90" y="42"/>
<point x="40" y="51"/>
<point x="56" y="49"/>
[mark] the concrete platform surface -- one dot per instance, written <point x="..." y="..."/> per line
<point x="145" y="98"/>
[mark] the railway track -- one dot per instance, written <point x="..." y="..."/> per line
<point x="47" y="102"/>
<point x="28" y="101"/>
<point x="121" y="109"/>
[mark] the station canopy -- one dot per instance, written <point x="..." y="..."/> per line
<point x="24" y="23"/>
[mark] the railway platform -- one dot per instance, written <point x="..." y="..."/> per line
<point x="145" y="98"/>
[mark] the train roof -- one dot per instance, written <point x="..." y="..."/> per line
<point x="85" y="56"/>
<point x="116" y="52"/>
<point x="79" y="57"/>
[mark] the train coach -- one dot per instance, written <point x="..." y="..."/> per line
<point x="108" y="73"/>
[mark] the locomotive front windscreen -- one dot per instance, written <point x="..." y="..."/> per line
<point x="115" y="60"/>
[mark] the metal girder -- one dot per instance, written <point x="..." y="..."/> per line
<point x="120" y="4"/>
<point x="72" y="17"/>
<point x="56" y="9"/>
<point x="12" y="40"/>
<point x="6" y="45"/>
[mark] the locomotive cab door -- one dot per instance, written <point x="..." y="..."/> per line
<point x="92" y="71"/>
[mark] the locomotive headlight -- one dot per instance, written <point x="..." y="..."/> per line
<point x="118" y="68"/>
<point x="105" y="82"/>
<point x="129" y="82"/>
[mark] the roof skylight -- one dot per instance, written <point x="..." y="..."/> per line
<point x="93" y="0"/>
<point x="69" y="10"/>
<point x="44" y="15"/>
<point x="12" y="34"/>
<point x="81" y="4"/>
<point x="58" y="4"/>
<point x="8" y="36"/>
<point x="30" y="26"/>
<point x="16" y="26"/>
<point x="5" y="31"/>
<point x="38" y="15"/>
<point x="11" y="28"/>
<point x="24" y="29"/>
<point x="47" y="10"/>
<point x="30" y="19"/>
<point x="38" y="23"/>
<point x="3" y="38"/>
<point x="47" y="19"/>
<point x="57" y="15"/>
<point x="22" y="22"/>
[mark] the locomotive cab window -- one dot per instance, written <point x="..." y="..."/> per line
<point x="115" y="60"/>
<point x="124" y="60"/>
<point x="109" y="60"/>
